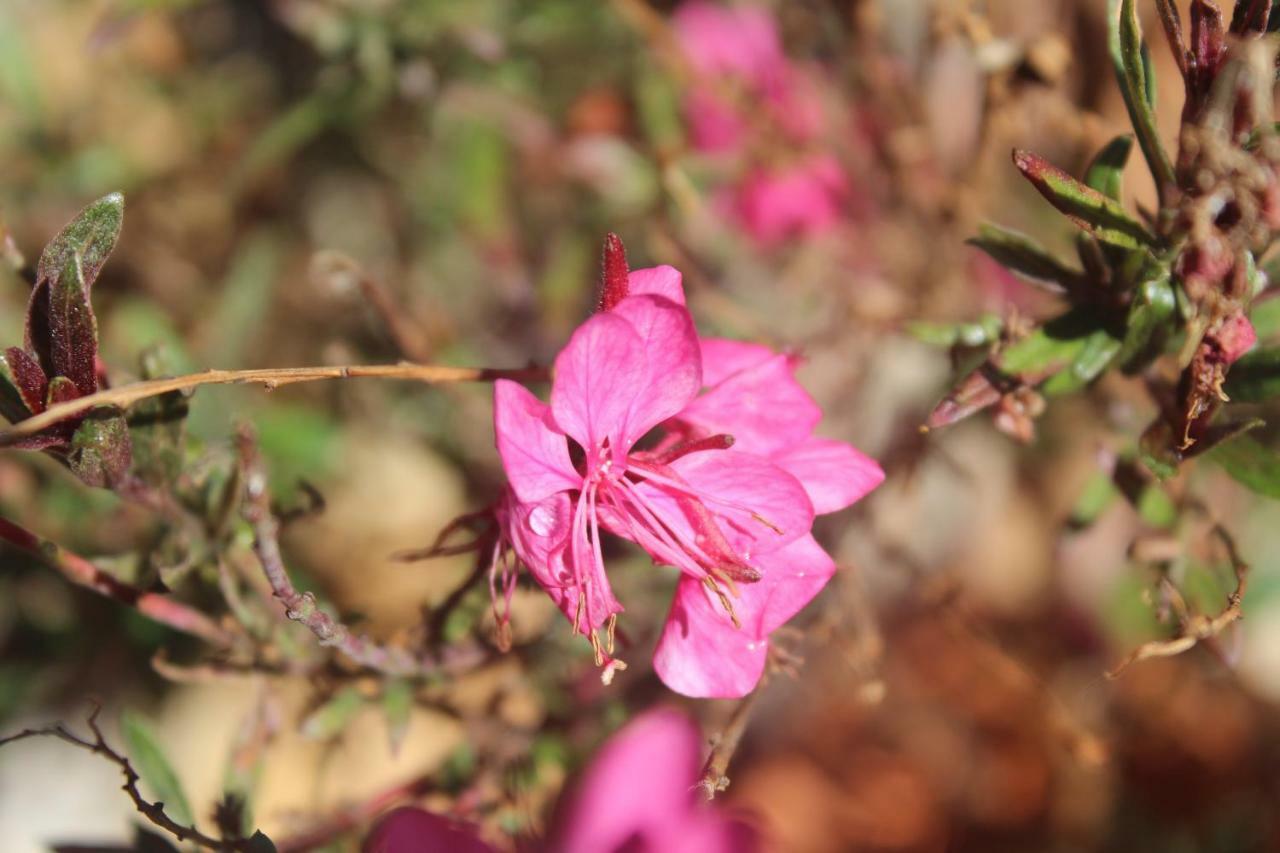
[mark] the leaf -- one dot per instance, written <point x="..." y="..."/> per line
<point x="1101" y="216"/>
<point x="1024" y="256"/>
<point x="332" y="717"/>
<point x="1124" y="39"/>
<point x="1098" y="494"/>
<point x="1156" y="508"/>
<point x="21" y="371"/>
<point x="1150" y="324"/>
<point x="1097" y="351"/>
<point x="1106" y="173"/>
<point x="984" y="331"/>
<point x="73" y="330"/>
<point x="1251" y="16"/>
<point x="1052" y="346"/>
<point x="1255" y="378"/>
<point x="100" y="448"/>
<point x="1250" y="463"/>
<point x="397" y="705"/>
<point x="157" y="774"/>
<point x="91" y="235"/>
<point x="157" y="428"/>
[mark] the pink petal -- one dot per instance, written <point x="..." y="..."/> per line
<point x="598" y="376"/>
<point x="760" y="506"/>
<point x="662" y="281"/>
<point x="835" y="474"/>
<point x="638" y="786"/>
<point x="763" y="407"/>
<point x="722" y="358"/>
<point x="413" y="830"/>
<point x="701" y="654"/>
<point x="792" y="577"/>
<point x="534" y="455"/>
<point x="674" y="361"/>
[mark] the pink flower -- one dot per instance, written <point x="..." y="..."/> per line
<point x="574" y="468"/>
<point x="802" y="199"/>
<point x="752" y="394"/>
<point x="639" y="793"/>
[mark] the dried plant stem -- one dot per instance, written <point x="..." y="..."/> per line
<point x="78" y="570"/>
<point x="715" y="773"/>
<point x="272" y="378"/>
<point x="153" y="812"/>
<point x="302" y="606"/>
<point x="1195" y="628"/>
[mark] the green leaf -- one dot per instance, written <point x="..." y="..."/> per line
<point x="157" y="774"/>
<point x="1098" y="494"/>
<point x="1100" y="215"/>
<point x="332" y="717"/>
<point x="1054" y="345"/>
<point x="1150" y="323"/>
<point x="158" y="427"/>
<point x="397" y="705"/>
<point x="1106" y="173"/>
<point x="1156" y="508"/>
<point x="91" y="235"/>
<point x="984" y="331"/>
<point x="1124" y="39"/>
<point x="100" y="449"/>
<point x="1097" y="352"/>
<point x="1024" y="256"/>
<point x="1250" y="463"/>
<point x="1255" y="378"/>
<point x="1265" y="316"/>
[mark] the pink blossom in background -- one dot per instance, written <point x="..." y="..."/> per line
<point x="638" y="795"/>
<point x="800" y="199"/>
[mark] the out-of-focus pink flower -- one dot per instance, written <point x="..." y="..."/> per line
<point x="801" y="199"/>
<point x="412" y="830"/>
<point x="638" y="795"/>
<point x="752" y="394"/>
<point x="626" y="370"/>
<point x="1236" y="336"/>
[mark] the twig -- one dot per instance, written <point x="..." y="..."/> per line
<point x="1195" y="628"/>
<point x="302" y="606"/>
<point x="78" y="570"/>
<point x="271" y="378"/>
<point x="714" y="773"/>
<point x="153" y="812"/>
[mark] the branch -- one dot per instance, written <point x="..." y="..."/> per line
<point x="1195" y="628"/>
<point x="78" y="570"/>
<point x="153" y="812"/>
<point x="302" y="606"/>
<point x="271" y="378"/>
<point x="714" y="773"/>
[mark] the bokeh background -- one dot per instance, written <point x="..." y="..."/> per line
<point x="359" y="181"/>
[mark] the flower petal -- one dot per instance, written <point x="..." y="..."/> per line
<point x="412" y="830"/>
<point x="763" y="407"/>
<point x="835" y="474"/>
<point x="722" y="358"/>
<point x="662" y="281"/>
<point x="792" y="577"/>
<point x="638" y="786"/>
<point x="598" y="376"/>
<point x="673" y="357"/>
<point x="534" y="455"/>
<point x="701" y="654"/>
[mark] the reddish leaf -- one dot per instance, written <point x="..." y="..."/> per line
<point x="100" y="448"/>
<point x="73" y="330"/>
<point x="1208" y="52"/>
<point x="1251" y="16"/>
<point x="30" y="380"/>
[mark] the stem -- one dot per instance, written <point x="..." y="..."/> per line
<point x="153" y="812"/>
<point x="81" y="572"/>
<point x="714" y="774"/>
<point x="271" y="378"/>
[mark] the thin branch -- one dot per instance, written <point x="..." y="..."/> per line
<point x="715" y="773"/>
<point x="302" y="606"/>
<point x="1195" y="628"/>
<point x="78" y="570"/>
<point x="153" y="812"/>
<point x="271" y="378"/>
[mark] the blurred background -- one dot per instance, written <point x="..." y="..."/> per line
<point x="361" y="181"/>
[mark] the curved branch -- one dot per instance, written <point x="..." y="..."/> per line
<point x="124" y="396"/>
